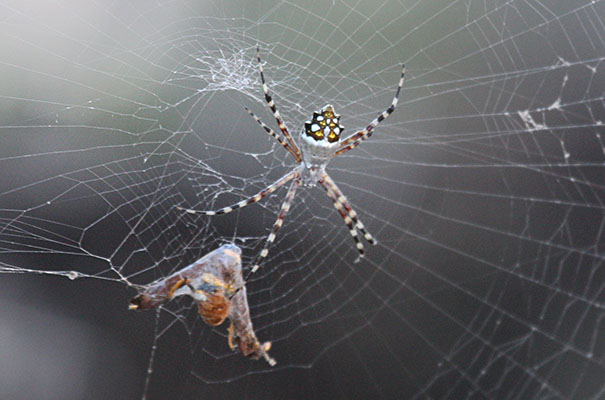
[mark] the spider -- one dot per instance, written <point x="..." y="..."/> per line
<point x="320" y="141"/>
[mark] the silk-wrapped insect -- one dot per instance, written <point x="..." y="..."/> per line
<point x="216" y="283"/>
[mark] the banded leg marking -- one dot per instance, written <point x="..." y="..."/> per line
<point x="345" y="216"/>
<point x="269" y="100"/>
<point x="355" y="139"/>
<point x="285" y="207"/>
<point x="350" y="211"/>
<point x="272" y="133"/>
<point x="226" y="210"/>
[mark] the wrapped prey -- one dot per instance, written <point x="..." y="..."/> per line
<point x="216" y="283"/>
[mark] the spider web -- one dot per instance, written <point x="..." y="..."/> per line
<point x="485" y="190"/>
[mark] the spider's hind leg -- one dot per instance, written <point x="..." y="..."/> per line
<point x="271" y="103"/>
<point x="273" y="134"/>
<point x="355" y="139"/>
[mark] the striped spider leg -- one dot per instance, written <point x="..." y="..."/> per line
<point x="346" y="212"/>
<point x="318" y="142"/>
<point x="216" y="284"/>
<point x="355" y="139"/>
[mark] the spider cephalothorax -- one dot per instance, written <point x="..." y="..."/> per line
<point x="319" y="142"/>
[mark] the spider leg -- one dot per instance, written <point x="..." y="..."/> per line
<point x="272" y="133"/>
<point x="285" y="207"/>
<point x="280" y="122"/>
<point x="345" y="216"/>
<point x="226" y="210"/>
<point x="355" y="139"/>
<point x="330" y="185"/>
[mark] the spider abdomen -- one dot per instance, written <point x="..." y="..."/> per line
<point x="320" y="137"/>
<point x="316" y="154"/>
<point x="324" y="126"/>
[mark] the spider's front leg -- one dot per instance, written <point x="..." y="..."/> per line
<point x="259" y="196"/>
<point x="285" y="207"/>
<point x="346" y="212"/>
